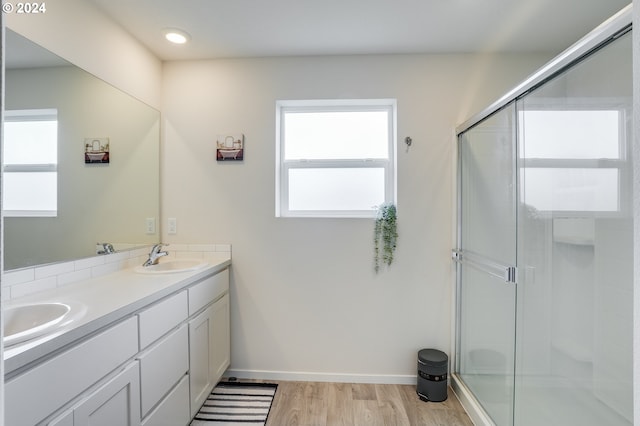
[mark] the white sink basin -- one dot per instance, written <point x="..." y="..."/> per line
<point x="172" y="266"/>
<point x="25" y="322"/>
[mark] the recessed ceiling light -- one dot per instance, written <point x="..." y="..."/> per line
<point x="176" y="36"/>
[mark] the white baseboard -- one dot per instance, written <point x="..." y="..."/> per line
<point x="296" y="376"/>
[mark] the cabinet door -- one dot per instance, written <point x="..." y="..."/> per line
<point x="221" y="351"/>
<point x="209" y="350"/>
<point x="162" y="367"/>
<point x="117" y="403"/>
<point x="174" y="409"/>
<point x="200" y="352"/>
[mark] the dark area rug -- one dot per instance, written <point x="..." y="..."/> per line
<point x="235" y="403"/>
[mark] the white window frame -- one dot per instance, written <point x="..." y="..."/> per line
<point x="284" y="166"/>
<point x="30" y="115"/>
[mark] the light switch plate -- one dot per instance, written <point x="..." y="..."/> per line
<point x="173" y="226"/>
<point x="150" y="225"/>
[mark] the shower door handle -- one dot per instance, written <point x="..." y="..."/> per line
<point x="464" y="257"/>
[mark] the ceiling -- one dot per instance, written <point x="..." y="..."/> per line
<point x="255" y="28"/>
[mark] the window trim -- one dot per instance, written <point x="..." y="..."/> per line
<point x="334" y="105"/>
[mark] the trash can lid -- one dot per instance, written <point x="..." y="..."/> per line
<point x="433" y="357"/>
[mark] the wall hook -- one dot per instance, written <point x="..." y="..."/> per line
<point x="408" y="141"/>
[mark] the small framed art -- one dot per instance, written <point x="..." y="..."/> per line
<point x="230" y="147"/>
<point x="96" y="150"/>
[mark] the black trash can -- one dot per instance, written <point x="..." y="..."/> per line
<point x="433" y="366"/>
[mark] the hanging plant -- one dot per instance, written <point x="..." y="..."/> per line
<point x="385" y="235"/>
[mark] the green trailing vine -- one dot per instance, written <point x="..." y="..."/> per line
<point x="385" y="235"/>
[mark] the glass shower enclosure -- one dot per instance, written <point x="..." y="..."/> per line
<point x="544" y="257"/>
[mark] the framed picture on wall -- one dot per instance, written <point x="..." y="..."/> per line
<point x="230" y="147"/>
<point x="96" y="150"/>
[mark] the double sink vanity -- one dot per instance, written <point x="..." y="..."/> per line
<point x="140" y="346"/>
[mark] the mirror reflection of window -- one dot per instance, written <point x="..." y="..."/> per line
<point x="572" y="159"/>
<point x="30" y="163"/>
<point x="570" y="134"/>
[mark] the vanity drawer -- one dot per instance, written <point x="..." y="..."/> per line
<point x="55" y="382"/>
<point x="174" y="409"/>
<point x="162" y="366"/>
<point x="208" y="290"/>
<point x="162" y="317"/>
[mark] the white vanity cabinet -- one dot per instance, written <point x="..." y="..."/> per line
<point x="209" y="341"/>
<point x="145" y="369"/>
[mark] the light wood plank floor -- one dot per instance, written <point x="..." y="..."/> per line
<point x="346" y="404"/>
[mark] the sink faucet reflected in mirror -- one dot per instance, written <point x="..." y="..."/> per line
<point x="107" y="248"/>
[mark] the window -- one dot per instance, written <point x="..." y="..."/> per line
<point x="30" y="163"/>
<point x="573" y="159"/>
<point x="335" y="158"/>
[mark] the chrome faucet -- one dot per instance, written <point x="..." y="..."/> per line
<point x="155" y="254"/>
<point x="107" y="248"/>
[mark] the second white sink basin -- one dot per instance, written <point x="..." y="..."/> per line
<point x="172" y="266"/>
<point x="25" y="322"/>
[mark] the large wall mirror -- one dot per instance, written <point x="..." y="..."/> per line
<point x="97" y="182"/>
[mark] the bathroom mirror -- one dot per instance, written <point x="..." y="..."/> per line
<point x="91" y="198"/>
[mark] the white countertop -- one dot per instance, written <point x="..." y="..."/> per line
<point x="103" y="300"/>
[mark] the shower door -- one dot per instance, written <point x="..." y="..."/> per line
<point x="486" y="257"/>
<point x="544" y="332"/>
<point x="575" y="245"/>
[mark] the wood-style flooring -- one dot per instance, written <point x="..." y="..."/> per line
<point x="347" y="404"/>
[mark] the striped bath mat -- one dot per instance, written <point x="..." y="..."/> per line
<point x="234" y="403"/>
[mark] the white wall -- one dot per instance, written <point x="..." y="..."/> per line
<point x="79" y="32"/>
<point x="305" y="300"/>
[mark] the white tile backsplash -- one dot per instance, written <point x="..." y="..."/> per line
<point x="107" y="268"/>
<point x="53" y="270"/>
<point x="89" y="262"/>
<point x="72" y="277"/>
<point x="18" y="276"/>
<point x="25" y="281"/>
<point x="32" y="287"/>
<point x="201" y="247"/>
